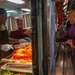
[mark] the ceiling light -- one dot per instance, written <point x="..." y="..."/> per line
<point x="17" y="1"/>
<point x="10" y="11"/>
<point x="25" y="9"/>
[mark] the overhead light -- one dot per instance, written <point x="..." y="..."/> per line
<point x="17" y="1"/>
<point x="25" y="9"/>
<point x="16" y="17"/>
<point x="10" y="11"/>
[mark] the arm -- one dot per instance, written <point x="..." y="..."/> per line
<point x="7" y="47"/>
<point x="27" y="32"/>
<point x="64" y="38"/>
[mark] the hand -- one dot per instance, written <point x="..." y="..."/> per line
<point x="69" y="42"/>
<point x="27" y="39"/>
<point x="6" y="47"/>
<point x="22" y="41"/>
<point x="28" y="31"/>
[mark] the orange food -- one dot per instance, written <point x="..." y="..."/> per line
<point x="23" y="54"/>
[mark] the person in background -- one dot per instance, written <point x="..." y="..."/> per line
<point x="69" y="36"/>
<point x="6" y="43"/>
<point x="21" y="32"/>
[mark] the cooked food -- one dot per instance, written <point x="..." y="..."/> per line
<point x="23" y="55"/>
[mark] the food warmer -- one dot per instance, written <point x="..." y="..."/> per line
<point x="20" y="60"/>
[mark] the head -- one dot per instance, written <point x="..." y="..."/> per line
<point x="71" y="17"/>
<point x="19" y="23"/>
<point x="3" y="16"/>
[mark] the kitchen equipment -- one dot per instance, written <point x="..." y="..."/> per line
<point x="17" y="69"/>
<point x="19" y="65"/>
<point x="16" y="63"/>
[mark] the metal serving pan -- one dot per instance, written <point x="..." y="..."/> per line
<point x="12" y="63"/>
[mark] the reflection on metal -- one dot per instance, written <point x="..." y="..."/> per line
<point x="34" y="37"/>
<point x="40" y="41"/>
<point x="61" y="64"/>
<point x="45" y="38"/>
<point x="52" y="36"/>
<point x="64" y="64"/>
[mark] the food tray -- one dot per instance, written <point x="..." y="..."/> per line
<point x="21" y="45"/>
<point x="17" y="69"/>
<point x="19" y="65"/>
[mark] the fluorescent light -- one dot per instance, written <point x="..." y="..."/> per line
<point x="10" y="11"/>
<point x="16" y="17"/>
<point x="25" y="9"/>
<point x="17" y="1"/>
